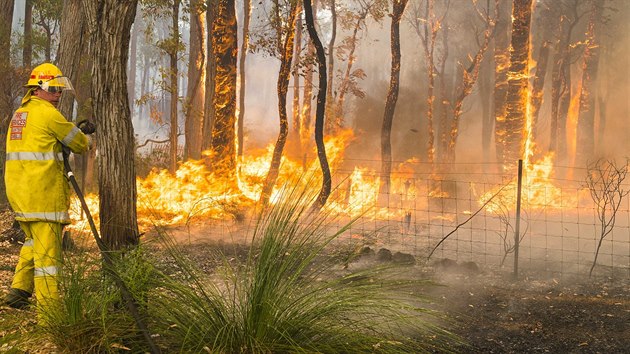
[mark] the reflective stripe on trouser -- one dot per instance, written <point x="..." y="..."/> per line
<point x="40" y="261"/>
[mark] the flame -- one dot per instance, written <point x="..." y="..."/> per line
<point x="195" y="191"/>
<point x="538" y="190"/>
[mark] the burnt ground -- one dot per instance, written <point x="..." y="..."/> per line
<point x="491" y="313"/>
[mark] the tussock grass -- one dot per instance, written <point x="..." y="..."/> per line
<point x="289" y="294"/>
<point x="287" y="297"/>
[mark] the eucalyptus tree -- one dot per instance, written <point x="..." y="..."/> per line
<point x="354" y="17"/>
<point x="195" y="96"/>
<point x="398" y="8"/>
<point x="108" y="27"/>
<point x="585" y="140"/>
<point x="6" y="97"/>
<point x="225" y="50"/>
<point x="286" y="17"/>
<point x="172" y="45"/>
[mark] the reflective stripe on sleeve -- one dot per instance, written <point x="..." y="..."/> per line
<point x="44" y="271"/>
<point x="68" y="138"/>
<point x="34" y="156"/>
<point x="52" y="215"/>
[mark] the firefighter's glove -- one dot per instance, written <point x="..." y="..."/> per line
<point x="87" y="127"/>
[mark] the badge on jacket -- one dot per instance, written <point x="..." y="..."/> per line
<point x="18" y="122"/>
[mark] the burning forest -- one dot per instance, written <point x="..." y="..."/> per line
<point x="487" y="134"/>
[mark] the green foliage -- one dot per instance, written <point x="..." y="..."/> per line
<point x="289" y="297"/>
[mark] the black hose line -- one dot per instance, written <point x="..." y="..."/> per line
<point x="124" y="291"/>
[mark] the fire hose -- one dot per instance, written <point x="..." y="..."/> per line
<point x="107" y="258"/>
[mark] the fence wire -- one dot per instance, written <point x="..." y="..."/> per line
<point x="468" y="215"/>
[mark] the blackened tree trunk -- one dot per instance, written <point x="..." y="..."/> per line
<point x="194" y="106"/>
<point x="247" y="9"/>
<point x="320" y="111"/>
<point x="297" y="123"/>
<point x="211" y="73"/>
<point x="536" y="94"/>
<point x="225" y="48"/>
<point x="172" y="48"/>
<point x="517" y="83"/>
<point x="392" y="98"/>
<point x="501" y="66"/>
<point x="283" y="87"/>
<point x="109" y="23"/>
<point x="330" y="113"/>
<point x="585" y="144"/>
<point x="561" y="85"/>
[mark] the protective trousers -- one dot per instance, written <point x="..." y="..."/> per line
<point x="40" y="263"/>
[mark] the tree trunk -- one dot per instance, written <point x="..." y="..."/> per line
<point x="330" y="113"/>
<point x="561" y="89"/>
<point x="173" y="87"/>
<point x="247" y="9"/>
<point x="109" y="23"/>
<point x="392" y="98"/>
<point x="536" y="94"/>
<point x="283" y="87"/>
<point x="71" y="50"/>
<point x="6" y="96"/>
<point x="194" y="107"/>
<point x="501" y="66"/>
<point x="586" y="121"/>
<point x="297" y="128"/>
<point x="518" y="78"/>
<point x="211" y="73"/>
<point x="133" y="63"/>
<point x="344" y="86"/>
<point x="469" y="78"/>
<point x="225" y="47"/>
<point x="486" y="81"/>
<point x="320" y="111"/>
<point x="27" y="51"/>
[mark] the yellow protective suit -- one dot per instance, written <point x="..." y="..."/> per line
<point x="39" y="193"/>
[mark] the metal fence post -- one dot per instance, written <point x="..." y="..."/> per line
<point x="518" y="217"/>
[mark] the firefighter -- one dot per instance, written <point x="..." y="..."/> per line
<point x="36" y="186"/>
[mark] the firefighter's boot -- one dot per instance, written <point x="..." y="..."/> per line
<point x="17" y="298"/>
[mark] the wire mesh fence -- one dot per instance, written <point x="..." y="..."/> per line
<point x="468" y="214"/>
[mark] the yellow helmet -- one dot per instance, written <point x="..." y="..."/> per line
<point x="48" y="77"/>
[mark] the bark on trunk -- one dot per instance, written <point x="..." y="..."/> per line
<point x="320" y="111"/>
<point x="225" y="47"/>
<point x="27" y="51"/>
<point x="283" y="87"/>
<point x="174" y="87"/>
<point x="518" y="77"/>
<point x="330" y="113"/>
<point x="297" y="123"/>
<point x="196" y="82"/>
<point x="211" y="73"/>
<point x="586" y="121"/>
<point x="501" y="66"/>
<point x="109" y="23"/>
<point x="536" y="94"/>
<point x="241" y="69"/>
<point x="6" y="95"/>
<point x="392" y="98"/>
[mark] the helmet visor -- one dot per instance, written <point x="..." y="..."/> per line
<point x="57" y="84"/>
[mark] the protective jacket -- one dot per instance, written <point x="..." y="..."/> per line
<point x="37" y="187"/>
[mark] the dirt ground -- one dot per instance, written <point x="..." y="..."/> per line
<point x="491" y="312"/>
